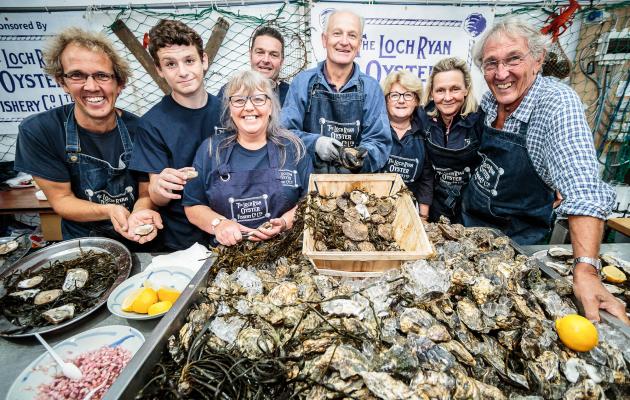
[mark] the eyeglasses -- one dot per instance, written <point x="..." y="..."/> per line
<point x="256" y="99"/>
<point x="509" y="63"/>
<point x="395" y="96"/>
<point x="81" y="77"/>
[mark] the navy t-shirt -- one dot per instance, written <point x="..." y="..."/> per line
<point x="242" y="159"/>
<point x="41" y="147"/>
<point x="168" y="137"/>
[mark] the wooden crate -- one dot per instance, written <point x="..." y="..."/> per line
<point x="409" y="232"/>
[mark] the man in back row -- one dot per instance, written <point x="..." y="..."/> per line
<point x="335" y="107"/>
<point x="266" y="55"/>
<point x="173" y="129"/>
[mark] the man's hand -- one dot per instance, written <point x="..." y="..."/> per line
<point x="143" y="217"/>
<point x="118" y="215"/>
<point x="593" y="296"/>
<point x="352" y="158"/>
<point x="229" y="232"/>
<point x="328" y="148"/>
<point x="169" y="180"/>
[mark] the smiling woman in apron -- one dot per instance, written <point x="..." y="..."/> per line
<point x="403" y="92"/>
<point x="452" y="126"/>
<point x="79" y="153"/>
<point x="251" y="176"/>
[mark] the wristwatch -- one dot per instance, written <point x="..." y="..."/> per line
<point x="215" y="222"/>
<point x="595" y="262"/>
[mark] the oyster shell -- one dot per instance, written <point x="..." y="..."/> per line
<point x="560" y="253"/>
<point x="31" y="282"/>
<point x="355" y="231"/>
<point x="25" y="294"/>
<point x="359" y="197"/>
<point x="75" y="279"/>
<point x="56" y="315"/>
<point x="144" y="229"/>
<point x="386" y="231"/>
<point x="366" y="246"/>
<point x="326" y="205"/>
<point x="47" y="296"/>
<point x="343" y="203"/>
<point x="191" y="174"/>
<point x="7" y="247"/>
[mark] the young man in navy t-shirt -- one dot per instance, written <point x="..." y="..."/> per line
<point x="173" y="129"/>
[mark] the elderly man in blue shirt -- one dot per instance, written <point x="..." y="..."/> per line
<point x="338" y="111"/>
<point x="535" y="141"/>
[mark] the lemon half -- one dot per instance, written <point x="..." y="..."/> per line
<point x="139" y="300"/>
<point x="168" y="294"/>
<point x="613" y="274"/>
<point x="160" y="307"/>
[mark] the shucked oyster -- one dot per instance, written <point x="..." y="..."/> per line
<point x="56" y="315"/>
<point x="143" y="230"/>
<point x="6" y="248"/>
<point x="559" y="253"/>
<point x="25" y="294"/>
<point x="75" y="279"/>
<point x="47" y="296"/>
<point x="31" y="282"/>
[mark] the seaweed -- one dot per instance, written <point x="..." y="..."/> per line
<point x="23" y="315"/>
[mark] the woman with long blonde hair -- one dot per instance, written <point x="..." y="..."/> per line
<point x="452" y="127"/>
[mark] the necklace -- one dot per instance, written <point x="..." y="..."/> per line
<point x="404" y="127"/>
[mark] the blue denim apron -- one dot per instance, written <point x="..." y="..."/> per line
<point x="255" y="196"/>
<point x="505" y="191"/>
<point x="334" y="114"/>
<point x="453" y="168"/>
<point x="97" y="181"/>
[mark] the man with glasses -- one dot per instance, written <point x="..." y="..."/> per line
<point x="173" y="129"/>
<point x="79" y="153"/>
<point x="535" y="141"/>
<point x="266" y="55"/>
<point x="338" y="111"/>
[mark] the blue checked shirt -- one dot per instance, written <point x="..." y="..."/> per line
<point x="560" y="146"/>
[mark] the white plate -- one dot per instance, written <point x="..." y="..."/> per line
<point x="174" y="277"/>
<point x="44" y="369"/>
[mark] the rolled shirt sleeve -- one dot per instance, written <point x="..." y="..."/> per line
<point x="572" y="162"/>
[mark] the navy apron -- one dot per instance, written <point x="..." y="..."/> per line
<point x="453" y="168"/>
<point x="97" y="181"/>
<point x="253" y="197"/>
<point x="336" y="115"/>
<point x="505" y="191"/>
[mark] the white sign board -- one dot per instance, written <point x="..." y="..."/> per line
<point x="24" y="87"/>
<point x="410" y="37"/>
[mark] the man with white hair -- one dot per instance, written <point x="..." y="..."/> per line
<point x="338" y="111"/>
<point x="535" y="141"/>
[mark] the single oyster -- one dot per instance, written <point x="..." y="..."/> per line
<point x="386" y="231"/>
<point x="191" y="174"/>
<point x="326" y="205"/>
<point x="561" y="268"/>
<point x="144" y="229"/>
<point x="56" y="315"/>
<point x="25" y="294"/>
<point x="6" y="248"/>
<point x="342" y="203"/>
<point x="75" y="279"/>
<point x="355" y="231"/>
<point x="359" y="197"/>
<point x="266" y="225"/>
<point x="31" y="282"/>
<point x="560" y="253"/>
<point x="366" y="246"/>
<point x="47" y="296"/>
<point x="352" y="214"/>
<point x="384" y="207"/>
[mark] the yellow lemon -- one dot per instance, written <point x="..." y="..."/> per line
<point x="577" y="332"/>
<point x="160" y="307"/>
<point x="168" y="294"/>
<point x="142" y="300"/>
<point x="613" y="274"/>
<point x="127" y="304"/>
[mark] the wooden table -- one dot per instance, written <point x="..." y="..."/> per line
<point x="23" y="201"/>
<point x="620" y="225"/>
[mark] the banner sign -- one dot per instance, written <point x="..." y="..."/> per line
<point x="410" y="37"/>
<point x="24" y="87"/>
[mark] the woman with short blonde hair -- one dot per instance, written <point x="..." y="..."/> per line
<point x="452" y="127"/>
<point x="403" y="91"/>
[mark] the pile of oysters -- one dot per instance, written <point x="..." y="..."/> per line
<point x="355" y="221"/>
